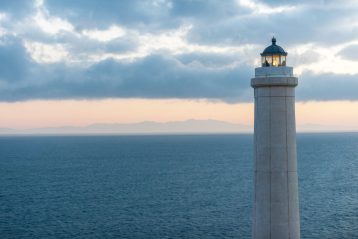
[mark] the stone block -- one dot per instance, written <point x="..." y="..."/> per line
<point x="278" y="106"/>
<point x="262" y="187"/>
<point x="291" y="158"/>
<point x="291" y="121"/>
<point x="262" y="204"/>
<point x="262" y="128"/>
<point x="279" y="231"/>
<point x="278" y="159"/>
<point x="293" y="196"/>
<point x="263" y="159"/>
<point x="278" y="121"/>
<point x="263" y="92"/>
<point x="294" y="229"/>
<point x="262" y="227"/>
<point x="290" y="91"/>
<point x="279" y="191"/>
<point x="278" y="91"/>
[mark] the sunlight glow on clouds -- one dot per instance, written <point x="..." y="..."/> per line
<point x="46" y="53"/>
<point x="86" y="49"/>
<point x="260" y="8"/>
<point x="173" y="43"/>
<point x="3" y="30"/>
<point x="328" y="60"/>
<point x="105" y="35"/>
<point x="49" y="24"/>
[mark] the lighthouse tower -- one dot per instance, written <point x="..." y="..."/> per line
<point x="275" y="211"/>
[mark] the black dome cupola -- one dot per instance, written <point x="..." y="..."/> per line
<point x="273" y="55"/>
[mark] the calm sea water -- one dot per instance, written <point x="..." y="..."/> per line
<point x="165" y="186"/>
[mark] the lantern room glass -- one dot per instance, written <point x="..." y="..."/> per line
<point x="263" y="60"/>
<point x="275" y="60"/>
<point x="269" y="60"/>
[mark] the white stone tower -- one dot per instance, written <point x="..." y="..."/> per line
<point x="275" y="209"/>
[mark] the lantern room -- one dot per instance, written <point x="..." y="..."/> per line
<point x="273" y="55"/>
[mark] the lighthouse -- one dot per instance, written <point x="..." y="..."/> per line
<point x="275" y="199"/>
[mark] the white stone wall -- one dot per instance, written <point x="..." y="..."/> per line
<point x="274" y="71"/>
<point x="276" y="212"/>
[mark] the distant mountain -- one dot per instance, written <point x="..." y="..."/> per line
<point x="7" y="131"/>
<point x="324" y="128"/>
<point x="146" y="127"/>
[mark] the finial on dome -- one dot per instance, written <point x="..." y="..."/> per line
<point x="273" y="41"/>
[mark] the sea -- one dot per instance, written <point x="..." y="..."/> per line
<point x="167" y="186"/>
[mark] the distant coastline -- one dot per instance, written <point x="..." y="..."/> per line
<point x="152" y="128"/>
<point x="146" y="127"/>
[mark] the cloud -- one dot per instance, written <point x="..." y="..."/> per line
<point x="218" y="22"/>
<point x="193" y="76"/>
<point x="18" y="8"/>
<point x="105" y="35"/>
<point x="46" y="53"/>
<point x="14" y="61"/>
<point x="155" y="76"/>
<point x="208" y="10"/>
<point x="327" y="87"/>
<point x="93" y="49"/>
<point x="100" y="14"/>
<point x="350" y="52"/>
<point x="302" y="24"/>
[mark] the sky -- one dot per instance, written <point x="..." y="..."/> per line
<point x="92" y="61"/>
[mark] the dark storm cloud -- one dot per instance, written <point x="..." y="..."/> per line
<point x="84" y="45"/>
<point x="216" y="22"/>
<point x="162" y="74"/>
<point x="155" y="76"/>
<point x="327" y="87"/>
<point x="14" y="60"/>
<point x="142" y="14"/>
<point x="214" y="60"/>
<point x="350" y="53"/>
<point x="277" y="3"/>
<point x="302" y="24"/>
<point x="295" y="2"/>
<point x="145" y="15"/>
<point x="208" y="10"/>
<point x="17" y="8"/>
